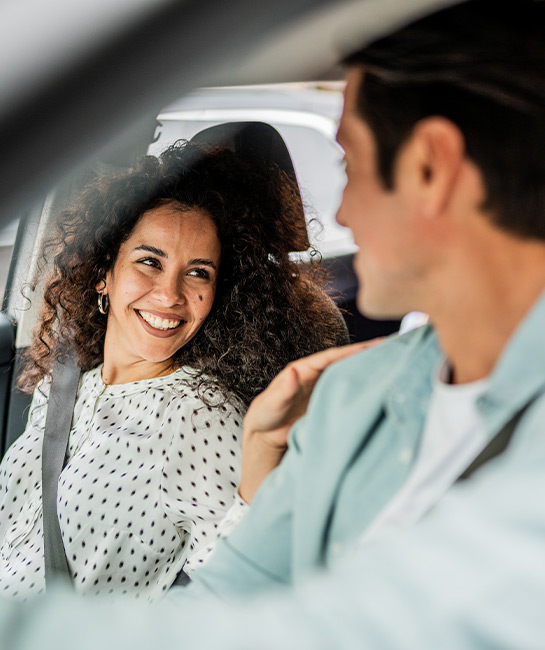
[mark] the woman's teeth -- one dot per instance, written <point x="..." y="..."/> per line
<point x="159" y="323"/>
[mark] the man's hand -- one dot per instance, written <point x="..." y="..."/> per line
<point x="273" y="412"/>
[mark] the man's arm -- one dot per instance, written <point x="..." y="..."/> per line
<point x="471" y="575"/>
<point x="257" y="555"/>
<point x="276" y="409"/>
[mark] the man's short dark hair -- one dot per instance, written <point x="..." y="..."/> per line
<point x="480" y="64"/>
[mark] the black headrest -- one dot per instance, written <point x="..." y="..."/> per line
<point x="259" y="143"/>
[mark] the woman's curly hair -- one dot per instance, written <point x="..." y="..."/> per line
<point x="268" y="309"/>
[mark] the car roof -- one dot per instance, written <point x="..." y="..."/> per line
<point x="81" y="79"/>
<point x="313" y="97"/>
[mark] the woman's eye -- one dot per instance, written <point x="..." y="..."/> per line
<point x="200" y="273"/>
<point x="150" y="261"/>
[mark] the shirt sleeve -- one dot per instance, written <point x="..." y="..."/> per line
<point x="201" y="474"/>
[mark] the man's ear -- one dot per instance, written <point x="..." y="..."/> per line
<point x="438" y="154"/>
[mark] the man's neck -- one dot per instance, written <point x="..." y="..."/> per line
<point x="486" y="302"/>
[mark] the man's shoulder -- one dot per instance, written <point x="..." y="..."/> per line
<point x="387" y="359"/>
<point x="360" y="385"/>
<point x="352" y="393"/>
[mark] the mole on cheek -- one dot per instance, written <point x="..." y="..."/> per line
<point x="200" y="298"/>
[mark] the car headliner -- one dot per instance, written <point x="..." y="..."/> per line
<point x="82" y="79"/>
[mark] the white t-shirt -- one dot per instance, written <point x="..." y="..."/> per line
<point x="453" y="437"/>
<point x="151" y="473"/>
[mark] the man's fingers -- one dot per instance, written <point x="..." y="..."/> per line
<point x="309" y="368"/>
<point x="286" y="399"/>
<point x="291" y="385"/>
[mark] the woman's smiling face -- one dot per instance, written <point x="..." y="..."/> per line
<point x="161" y="289"/>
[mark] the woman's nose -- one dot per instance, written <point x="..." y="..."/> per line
<point x="170" y="290"/>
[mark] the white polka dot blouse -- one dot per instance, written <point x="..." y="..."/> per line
<point x="151" y="472"/>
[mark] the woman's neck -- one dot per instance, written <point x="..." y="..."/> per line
<point x="115" y="373"/>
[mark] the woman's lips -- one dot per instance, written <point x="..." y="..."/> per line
<point x="158" y="325"/>
<point x="158" y="321"/>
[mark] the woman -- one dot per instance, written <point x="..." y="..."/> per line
<point x="173" y="284"/>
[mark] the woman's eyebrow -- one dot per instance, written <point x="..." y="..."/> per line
<point x="202" y="262"/>
<point x="198" y="261"/>
<point x="151" y="249"/>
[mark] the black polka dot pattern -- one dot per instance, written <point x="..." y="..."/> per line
<point x="151" y="473"/>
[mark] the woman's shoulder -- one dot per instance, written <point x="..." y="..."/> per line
<point x="38" y="406"/>
<point x="200" y="390"/>
<point x="203" y="399"/>
<point x="201" y="411"/>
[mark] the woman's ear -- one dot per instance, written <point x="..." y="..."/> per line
<point x="439" y="155"/>
<point x="101" y="286"/>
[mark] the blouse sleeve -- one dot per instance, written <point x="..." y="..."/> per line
<point x="29" y="443"/>
<point x="234" y="516"/>
<point x="201" y="473"/>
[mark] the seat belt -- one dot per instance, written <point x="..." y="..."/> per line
<point x="497" y="445"/>
<point x="60" y="409"/>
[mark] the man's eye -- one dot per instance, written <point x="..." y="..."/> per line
<point x="200" y="273"/>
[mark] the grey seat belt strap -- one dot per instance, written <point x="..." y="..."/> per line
<point x="497" y="445"/>
<point x="62" y="398"/>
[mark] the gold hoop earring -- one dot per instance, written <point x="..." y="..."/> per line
<point x="103" y="303"/>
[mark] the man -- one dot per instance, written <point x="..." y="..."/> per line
<point x="443" y="138"/>
<point x="444" y="133"/>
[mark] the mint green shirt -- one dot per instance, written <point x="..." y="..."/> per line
<point x="353" y="451"/>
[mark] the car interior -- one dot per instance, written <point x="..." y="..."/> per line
<point x="85" y="96"/>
